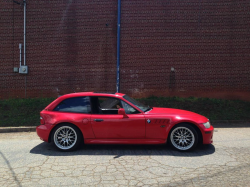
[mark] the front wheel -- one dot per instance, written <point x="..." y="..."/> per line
<point x="66" y="137"/>
<point x="183" y="137"/>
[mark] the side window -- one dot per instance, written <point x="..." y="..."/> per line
<point x="105" y="105"/>
<point x="129" y="109"/>
<point x="109" y="103"/>
<point x="75" y="104"/>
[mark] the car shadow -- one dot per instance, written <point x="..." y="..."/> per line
<point x="122" y="150"/>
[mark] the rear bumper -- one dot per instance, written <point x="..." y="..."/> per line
<point x="43" y="132"/>
<point x="208" y="135"/>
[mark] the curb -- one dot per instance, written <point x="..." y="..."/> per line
<point x="17" y="129"/>
<point x="215" y="123"/>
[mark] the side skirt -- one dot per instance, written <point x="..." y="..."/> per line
<point x="124" y="141"/>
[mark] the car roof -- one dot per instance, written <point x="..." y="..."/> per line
<point x="79" y="94"/>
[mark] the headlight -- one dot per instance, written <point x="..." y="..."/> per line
<point x="207" y="125"/>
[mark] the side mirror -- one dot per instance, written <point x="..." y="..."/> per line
<point x="121" y="111"/>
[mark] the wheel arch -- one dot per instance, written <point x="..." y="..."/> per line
<point x="50" y="134"/>
<point x="200" y="137"/>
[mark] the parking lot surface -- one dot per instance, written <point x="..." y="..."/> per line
<point x="27" y="161"/>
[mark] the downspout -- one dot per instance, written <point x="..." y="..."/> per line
<point x="118" y="47"/>
<point x="24" y="32"/>
<point x="20" y="49"/>
<point x="23" y="69"/>
<point x="24" y="43"/>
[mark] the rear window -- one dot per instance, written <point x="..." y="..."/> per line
<point x="75" y="104"/>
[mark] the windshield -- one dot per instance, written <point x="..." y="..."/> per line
<point x="137" y="103"/>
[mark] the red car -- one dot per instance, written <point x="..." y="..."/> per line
<point x="105" y="118"/>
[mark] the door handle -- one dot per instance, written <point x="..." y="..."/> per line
<point x="98" y="120"/>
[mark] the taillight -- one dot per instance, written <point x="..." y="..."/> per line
<point x="42" y="120"/>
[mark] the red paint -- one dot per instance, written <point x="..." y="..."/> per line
<point x="120" y="128"/>
<point x="116" y="126"/>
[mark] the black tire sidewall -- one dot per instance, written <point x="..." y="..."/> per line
<point x="78" y="133"/>
<point x="190" y="128"/>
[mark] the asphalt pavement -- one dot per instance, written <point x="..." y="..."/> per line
<point x="27" y="161"/>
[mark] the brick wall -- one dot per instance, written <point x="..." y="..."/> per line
<point x="71" y="46"/>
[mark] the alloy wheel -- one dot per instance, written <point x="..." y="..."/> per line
<point x="182" y="138"/>
<point x="65" y="137"/>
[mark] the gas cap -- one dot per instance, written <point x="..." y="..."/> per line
<point x="85" y="121"/>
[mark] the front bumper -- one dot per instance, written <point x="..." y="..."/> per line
<point x="208" y="135"/>
<point x="43" y="132"/>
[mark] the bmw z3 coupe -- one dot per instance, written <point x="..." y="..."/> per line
<point x="105" y="118"/>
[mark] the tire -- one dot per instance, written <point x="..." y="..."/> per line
<point x="183" y="137"/>
<point x="66" y="137"/>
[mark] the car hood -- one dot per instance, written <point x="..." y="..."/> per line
<point x="171" y="112"/>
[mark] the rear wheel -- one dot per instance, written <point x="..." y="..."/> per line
<point x="183" y="137"/>
<point x="66" y="137"/>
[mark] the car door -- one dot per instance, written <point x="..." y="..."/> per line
<point x="108" y="124"/>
